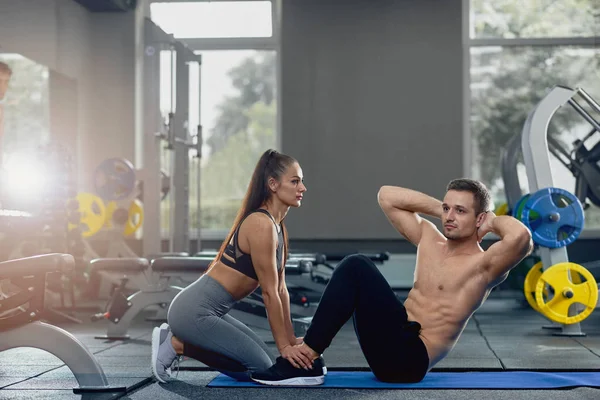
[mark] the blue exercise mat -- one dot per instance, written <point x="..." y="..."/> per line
<point x="447" y="380"/>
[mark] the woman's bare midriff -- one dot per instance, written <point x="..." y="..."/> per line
<point x="237" y="284"/>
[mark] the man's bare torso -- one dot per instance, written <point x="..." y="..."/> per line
<point x="447" y="290"/>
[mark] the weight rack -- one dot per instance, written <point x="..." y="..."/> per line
<point x="176" y="136"/>
<point x="536" y="155"/>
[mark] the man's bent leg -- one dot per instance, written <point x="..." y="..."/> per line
<point x="355" y="286"/>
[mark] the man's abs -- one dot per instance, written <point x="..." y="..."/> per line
<point x="442" y="320"/>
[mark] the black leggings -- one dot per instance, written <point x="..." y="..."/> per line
<point x="389" y="341"/>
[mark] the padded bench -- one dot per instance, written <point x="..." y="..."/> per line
<point x="119" y="264"/>
<point x="156" y="282"/>
<point x="126" y="272"/>
<point x="23" y="327"/>
<point x="181" y="264"/>
<point x="171" y="254"/>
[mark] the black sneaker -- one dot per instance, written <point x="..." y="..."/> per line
<point x="283" y="373"/>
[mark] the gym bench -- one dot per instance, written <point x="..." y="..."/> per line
<point x="21" y="325"/>
<point x="153" y="281"/>
<point x="159" y="281"/>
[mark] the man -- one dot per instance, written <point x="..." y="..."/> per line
<point x="453" y="277"/>
<point x="5" y="75"/>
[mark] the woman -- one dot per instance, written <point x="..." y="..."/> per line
<point x="252" y="255"/>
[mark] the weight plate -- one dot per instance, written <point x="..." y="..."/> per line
<point x="136" y="218"/>
<point x="567" y="293"/>
<point x="114" y="179"/>
<point x="502" y="209"/>
<point x="518" y="209"/>
<point x="92" y="214"/>
<point x="531" y="280"/>
<point x="554" y="216"/>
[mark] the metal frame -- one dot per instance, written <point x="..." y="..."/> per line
<point x="153" y="41"/>
<point x="535" y="42"/>
<point x="506" y="42"/>
<point x="62" y="344"/>
<point x="197" y="45"/>
<point x="466" y="94"/>
<point x="510" y="159"/>
<point x="536" y="155"/>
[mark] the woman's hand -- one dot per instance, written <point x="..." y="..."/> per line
<point x="296" y="357"/>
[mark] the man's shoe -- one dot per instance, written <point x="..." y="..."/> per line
<point x="163" y="353"/>
<point x="283" y="373"/>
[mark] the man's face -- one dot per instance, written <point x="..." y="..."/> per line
<point x="459" y="217"/>
<point x="4" y="79"/>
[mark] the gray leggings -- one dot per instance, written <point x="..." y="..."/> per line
<point x="198" y="317"/>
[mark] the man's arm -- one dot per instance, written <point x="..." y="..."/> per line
<point x="402" y="207"/>
<point x="515" y="244"/>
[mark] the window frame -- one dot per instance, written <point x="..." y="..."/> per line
<point x="469" y="42"/>
<point x="273" y="43"/>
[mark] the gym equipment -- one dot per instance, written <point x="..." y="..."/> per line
<point x="152" y="285"/>
<point x="502" y="209"/>
<point x="21" y="325"/>
<point x="519" y="380"/>
<point x="554" y="216"/>
<point x="177" y="138"/>
<point x="114" y="179"/>
<point x="531" y="280"/>
<point x="132" y="222"/>
<point x="157" y="282"/>
<point x="536" y="155"/>
<point x="568" y="290"/>
<point x="517" y="210"/>
<point x="581" y="161"/>
<point x="165" y="186"/>
<point x="92" y="214"/>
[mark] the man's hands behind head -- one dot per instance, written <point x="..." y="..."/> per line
<point x="486" y="226"/>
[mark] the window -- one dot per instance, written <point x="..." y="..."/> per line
<point x="238" y="108"/>
<point x="534" y="18"/>
<point x="509" y="78"/>
<point x="238" y="98"/>
<point x="26" y="105"/>
<point x="227" y="19"/>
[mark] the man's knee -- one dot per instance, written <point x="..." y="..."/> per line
<point x="354" y="263"/>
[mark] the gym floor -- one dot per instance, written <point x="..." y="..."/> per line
<point x="503" y="335"/>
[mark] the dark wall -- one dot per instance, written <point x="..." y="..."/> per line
<point x="371" y="95"/>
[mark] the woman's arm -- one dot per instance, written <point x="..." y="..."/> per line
<point x="262" y="238"/>
<point x="284" y="295"/>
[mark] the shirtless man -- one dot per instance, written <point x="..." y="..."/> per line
<point x="453" y="277"/>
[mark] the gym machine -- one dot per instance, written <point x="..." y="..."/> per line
<point x="176" y="136"/>
<point x="21" y="323"/>
<point x="564" y="292"/>
<point x="581" y="162"/>
<point x="159" y="281"/>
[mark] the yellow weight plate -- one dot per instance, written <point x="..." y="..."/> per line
<point x="567" y="293"/>
<point x="531" y="280"/>
<point x="136" y="218"/>
<point x="502" y="209"/>
<point x="93" y="212"/>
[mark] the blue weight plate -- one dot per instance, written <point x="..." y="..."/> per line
<point x="554" y="216"/>
<point x="518" y="209"/>
<point x="114" y="179"/>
